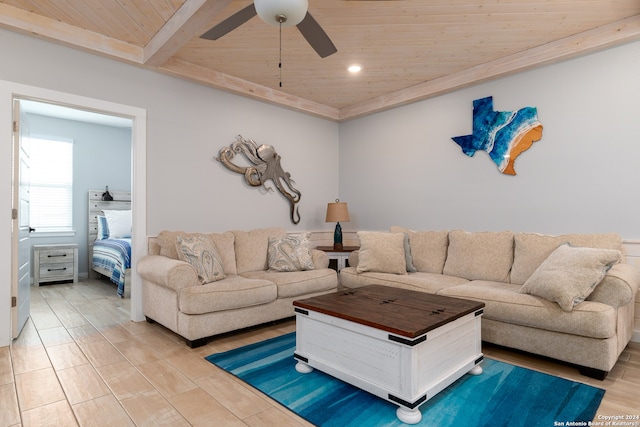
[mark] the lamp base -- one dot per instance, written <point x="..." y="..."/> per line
<point x="337" y="246"/>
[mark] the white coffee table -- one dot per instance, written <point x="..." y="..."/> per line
<point x="400" y="345"/>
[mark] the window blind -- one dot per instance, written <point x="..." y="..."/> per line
<point x="51" y="184"/>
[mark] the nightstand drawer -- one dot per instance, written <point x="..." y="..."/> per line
<point x="56" y="271"/>
<point x="55" y="255"/>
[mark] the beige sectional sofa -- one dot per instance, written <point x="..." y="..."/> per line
<point x="242" y="289"/>
<point x="533" y="286"/>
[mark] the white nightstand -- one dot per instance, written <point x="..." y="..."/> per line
<point x="52" y="263"/>
<point x="338" y="259"/>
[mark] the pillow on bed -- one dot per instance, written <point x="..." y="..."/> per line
<point x="119" y="223"/>
<point x="202" y="254"/>
<point x="103" y="228"/>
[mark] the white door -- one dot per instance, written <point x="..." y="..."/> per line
<point x="21" y="253"/>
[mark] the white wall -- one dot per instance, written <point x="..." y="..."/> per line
<point x="401" y="167"/>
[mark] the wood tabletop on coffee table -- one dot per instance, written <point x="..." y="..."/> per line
<point x="399" y="311"/>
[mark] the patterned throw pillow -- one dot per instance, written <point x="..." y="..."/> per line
<point x="201" y="253"/>
<point x="103" y="228"/>
<point x="290" y="253"/>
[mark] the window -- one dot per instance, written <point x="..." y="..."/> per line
<point x="51" y="188"/>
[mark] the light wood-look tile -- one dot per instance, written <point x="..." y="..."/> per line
<point x="238" y="397"/>
<point x="27" y="359"/>
<point x="54" y="414"/>
<point x="152" y="409"/>
<point x="101" y="353"/>
<point x="136" y="352"/>
<point x="190" y="405"/>
<point x="107" y="370"/>
<point x="124" y="380"/>
<point x="65" y="356"/>
<point x="166" y="378"/>
<point x="55" y="336"/>
<point x="82" y="383"/>
<point x="6" y="371"/>
<point x="10" y="413"/>
<point x="103" y="411"/>
<point x="37" y="388"/>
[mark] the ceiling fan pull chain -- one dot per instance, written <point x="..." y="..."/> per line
<point x="280" y="60"/>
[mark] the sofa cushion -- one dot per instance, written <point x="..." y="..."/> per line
<point x="531" y="249"/>
<point x="382" y="252"/>
<point x="428" y="248"/>
<point x="290" y="253"/>
<point x="570" y="274"/>
<point x="480" y="256"/>
<point x="426" y="282"/>
<point x="166" y="240"/>
<point x="201" y="253"/>
<point x="231" y="293"/>
<point x="505" y="303"/>
<point x="298" y="283"/>
<point x="251" y="248"/>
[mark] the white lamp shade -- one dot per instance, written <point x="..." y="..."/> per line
<point x="294" y="10"/>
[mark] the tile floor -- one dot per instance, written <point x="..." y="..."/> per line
<point x="81" y="361"/>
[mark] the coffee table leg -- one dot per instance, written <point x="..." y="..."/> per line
<point x="303" y="368"/>
<point x="476" y="370"/>
<point x="409" y="416"/>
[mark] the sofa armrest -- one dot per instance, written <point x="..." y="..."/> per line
<point x="171" y="273"/>
<point x="353" y="258"/>
<point x="619" y="286"/>
<point x="320" y="259"/>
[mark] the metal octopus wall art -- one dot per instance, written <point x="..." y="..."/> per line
<point x="265" y="166"/>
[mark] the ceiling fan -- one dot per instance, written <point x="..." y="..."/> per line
<point x="285" y="13"/>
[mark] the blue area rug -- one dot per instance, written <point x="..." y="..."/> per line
<point x="504" y="395"/>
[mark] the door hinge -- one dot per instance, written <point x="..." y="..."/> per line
<point x="15" y="126"/>
<point x="14" y="213"/>
<point x="14" y="301"/>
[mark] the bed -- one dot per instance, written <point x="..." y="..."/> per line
<point x="110" y="247"/>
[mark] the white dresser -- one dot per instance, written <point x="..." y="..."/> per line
<point x="52" y="263"/>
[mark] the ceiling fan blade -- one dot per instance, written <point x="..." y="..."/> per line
<point x="315" y="35"/>
<point x="231" y="23"/>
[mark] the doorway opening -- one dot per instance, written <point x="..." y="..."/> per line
<point x="137" y="118"/>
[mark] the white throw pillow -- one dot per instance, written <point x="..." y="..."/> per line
<point x="290" y="253"/>
<point x="570" y="274"/>
<point x="119" y="223"/>
<point x="381" y="252"/>
<point x="201" y="253"/>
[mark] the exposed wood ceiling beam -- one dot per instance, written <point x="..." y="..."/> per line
<point x="32" y="24"/>
<point x="229" y="83"/>
<point x="623" y="31"/>
<point x="184" y="25"/>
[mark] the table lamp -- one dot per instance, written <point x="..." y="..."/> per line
<point x="337" y="212"/>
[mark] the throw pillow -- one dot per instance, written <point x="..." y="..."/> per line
<point x="428" y="248"/>
<point x="483" y="255"/>
<point x="570" y="274"/>
<point x="103" y="228"/>
<point x="200" y="252"/>
<point x="119" y="223"/>
<point x="381" y="252"/>
<point x="407" y="255"/>
<point x="290" y="253"/>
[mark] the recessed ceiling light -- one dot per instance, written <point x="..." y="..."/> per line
<point x="354" y="69"/>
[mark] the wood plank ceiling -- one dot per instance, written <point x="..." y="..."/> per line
<point x="409" y="50"/>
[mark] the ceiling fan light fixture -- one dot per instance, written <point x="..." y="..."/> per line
<point x="272" y="11"/>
